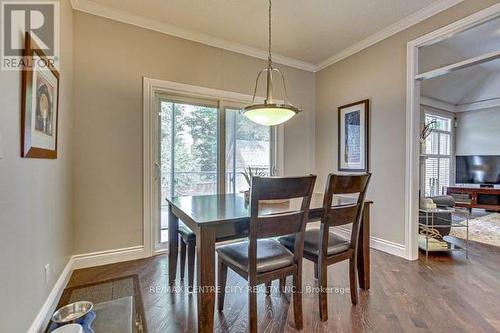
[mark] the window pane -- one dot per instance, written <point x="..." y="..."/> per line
<point x="436" y="170"/>
<point x="437" y="175"/>
<point x="432" y="144"/>
<point x="195" y="162"/>
<point x="431" y="176"/>
<point x="166" y="113"/>
<point x="444" y="144"/>
<point x="247" y="145"/>
<point x="230" y="150"/>
<point x="188" y="153"/>
<point x="444" y="174"/>
<point x="441" y="123"/>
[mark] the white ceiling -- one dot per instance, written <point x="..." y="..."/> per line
<point x="306" y="31"/>
<point x="476" y="41"/>
<point x="471" y="85"/>
<point x="454" y="87"/>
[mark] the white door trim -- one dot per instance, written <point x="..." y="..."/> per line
<point x="153" y="87"/>
<point x="413" y="118"/>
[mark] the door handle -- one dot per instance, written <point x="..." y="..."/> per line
<point x="157" y="171"/>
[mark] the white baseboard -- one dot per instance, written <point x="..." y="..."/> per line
<point x="378" y="243"/>
<point x="42" y="319"/>
<point x="85" y="260"/>
<point x="76" y="262"/>
<point x="108" y="257"/>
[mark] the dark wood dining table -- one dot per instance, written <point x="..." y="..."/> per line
<point x="221" y="217"/>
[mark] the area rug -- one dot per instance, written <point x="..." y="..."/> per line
<point x="484" y="229"/>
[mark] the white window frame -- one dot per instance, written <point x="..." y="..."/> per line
<point x="153" y="91"/>
<point x="433" y="112"/>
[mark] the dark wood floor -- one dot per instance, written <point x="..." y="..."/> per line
<point x="445" y="294"/>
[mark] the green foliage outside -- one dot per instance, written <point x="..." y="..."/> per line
<point x="195" y="130"/>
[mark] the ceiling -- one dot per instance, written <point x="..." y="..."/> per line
<point x="467" y="86"/>
<point x="476" y="41"/>
<point x="455" y="87"/>
<point x="304" y="31"/>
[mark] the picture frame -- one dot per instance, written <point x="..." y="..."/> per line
<point x="40" y="103"/>
<point x="354" y="137"/>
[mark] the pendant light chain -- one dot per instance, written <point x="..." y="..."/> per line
<point x="270" y="59"/>
<point x="270" y="113"/>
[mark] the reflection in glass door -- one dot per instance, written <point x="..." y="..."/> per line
<point x="188" y="153"/>
<point x="248" y="144"/>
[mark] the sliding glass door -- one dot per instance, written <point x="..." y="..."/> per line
<point x="203" y="147"/>
<point x="188" y="152"/>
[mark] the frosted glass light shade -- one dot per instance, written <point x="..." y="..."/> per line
<point x="270" y="114"/>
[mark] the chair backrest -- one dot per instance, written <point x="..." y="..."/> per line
<point x="281" y="223"/>
<point x="339" y="213"/>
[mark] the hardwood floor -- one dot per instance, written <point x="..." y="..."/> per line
<point x="445" y="294"/>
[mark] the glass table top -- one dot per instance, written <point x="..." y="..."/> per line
<point x="115" y="316"/>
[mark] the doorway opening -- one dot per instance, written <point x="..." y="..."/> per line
<point x="431" y="158"/>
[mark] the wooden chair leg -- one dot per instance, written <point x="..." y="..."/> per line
<point x="268" y="288"/>
<point x="252" y="310"/>
<point x="182" y="254"/>
<point x="222" y="279"/>
<point x="191" y="249"/>
<point x="283" y="284"/>
<point x="322" y="295"/>
<point x="297" y="300"/>
<point x="353" y="279"/>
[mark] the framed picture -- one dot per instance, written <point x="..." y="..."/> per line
<point x="354" y="137"/>
<point x="40" y="103"/>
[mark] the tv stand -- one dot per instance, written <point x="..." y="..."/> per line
<point x="468" y="197"/>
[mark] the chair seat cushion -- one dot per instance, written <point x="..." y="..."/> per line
<point x="271" y="255"/>
<point x="186" y="233"/>
<point x="336" y="244"/>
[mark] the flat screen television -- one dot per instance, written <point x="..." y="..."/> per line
<point x="484" y="169"/>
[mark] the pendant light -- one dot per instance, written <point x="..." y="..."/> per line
<point x="270" y="113"/>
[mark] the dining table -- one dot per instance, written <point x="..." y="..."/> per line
<point x="223" y="217"/>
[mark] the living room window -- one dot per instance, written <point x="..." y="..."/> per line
<point x="437" y="154"/>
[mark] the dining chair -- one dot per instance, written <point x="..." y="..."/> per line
<point x="187" y="242"/>
<point x="187" y="249"/>
<point x="325" y="248"/>
<point x="262" y="259"/>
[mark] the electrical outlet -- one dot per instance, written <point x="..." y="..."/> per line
<point x="47" y="273"/>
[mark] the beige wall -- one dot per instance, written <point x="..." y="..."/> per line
<point x="378" y="73"/>
<point x="35" y="199"/>
<point x="110" y="60"/>
<point x="90" y="198"/>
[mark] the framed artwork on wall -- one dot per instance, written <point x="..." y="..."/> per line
<point x="40" y="103"/>
<point x="354" y="137"/>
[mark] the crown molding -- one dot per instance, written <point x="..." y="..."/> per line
<point x="389" y="31"/>
<point x="486" y="104"/>
<point x="437" y="104"/>
<point x="458" y="108"/>
<point x="91" y="7"/>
